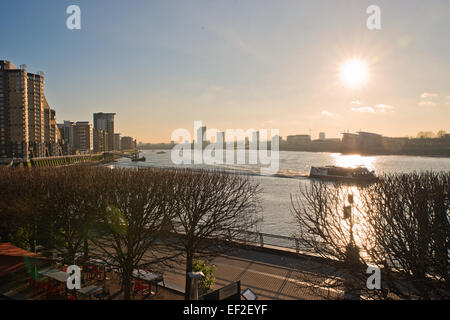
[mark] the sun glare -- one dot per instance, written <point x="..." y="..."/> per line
<point x="354" y="73"/>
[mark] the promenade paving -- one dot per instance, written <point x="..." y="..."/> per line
<point x="271" y="276"/>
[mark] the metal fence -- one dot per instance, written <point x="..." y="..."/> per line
<point x="266" y="239"/>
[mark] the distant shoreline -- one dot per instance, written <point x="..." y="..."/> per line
<point x="437" y="155"/>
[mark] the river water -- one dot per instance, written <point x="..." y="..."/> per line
<point x="294" y="167"/>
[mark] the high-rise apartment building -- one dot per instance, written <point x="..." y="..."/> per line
<point x="105" y="122"/>
<point x="201" y="135"/>
<point x="117" y="144"/>
<point x="55" y="135"/>
<point x="220" y="140"/>
<point x="36" y="122"/>
<point x="66" y="130"/>
<point x="25" y="115"/>
<point x="100" y="140"/>
<point x="82" y="137"/>
<point x="14" y="140"/>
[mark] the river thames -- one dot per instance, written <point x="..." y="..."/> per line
<point x="294" y="168"/>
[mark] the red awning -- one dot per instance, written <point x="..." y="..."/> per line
<point x="7" y="249"/>
<point x="12" y="258"/>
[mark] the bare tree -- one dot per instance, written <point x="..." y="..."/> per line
<point x="72" y="206"/>
<point x="399" y="224"/>
<point x="409" y="223"/>
<point x="23" y="204"/>
<point x="327" y="226"/>
<point x="136" y="213"/>
<point x="212" y="208"/>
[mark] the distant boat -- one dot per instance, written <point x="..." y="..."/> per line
<point x="358" y="174"/>
<point x="136" y="157"/>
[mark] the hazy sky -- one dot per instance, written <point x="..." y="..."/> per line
<point x="160" y="65"/>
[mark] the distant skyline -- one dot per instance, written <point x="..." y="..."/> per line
<point x="161" y="65"/>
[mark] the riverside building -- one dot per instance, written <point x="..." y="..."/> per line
<point x="27" y="123"/>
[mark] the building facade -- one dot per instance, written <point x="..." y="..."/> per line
<point x="299" y="139"/>
<point x="100" y="140"/>
<point x="127" y="143"/>
<point x="117" y="144"/>
<point x="82" y="136"/>
<point x="321" y="135"/>
<point x="25" y="115"/>
<point x="105" y="122"/>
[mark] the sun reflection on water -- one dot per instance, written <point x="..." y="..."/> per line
<point x="360" y="227"/>
<point x="353" y="160"/>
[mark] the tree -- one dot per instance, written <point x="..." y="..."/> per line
<point x="73" y="204"/>
<point x="208" y="280"/>
<point x="211" y="209"/>
<point x="409" y="223"/>
<point x="23" y="205"/>
<point x="425" y="134"/>
<point x="401" y="225"/>
<point x="328" y="226"/>
<point x="136" y="214"/>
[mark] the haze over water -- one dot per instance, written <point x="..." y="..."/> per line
<point x="295" y="166"/>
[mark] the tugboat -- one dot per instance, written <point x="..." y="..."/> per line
<point x="136" y="157"/>
<point x="358" y="174"/>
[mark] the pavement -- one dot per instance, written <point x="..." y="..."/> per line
<point x="271" y="276"/>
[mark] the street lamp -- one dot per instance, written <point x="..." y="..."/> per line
<point x="194" y="277"/>
<point x="351" y="254"/>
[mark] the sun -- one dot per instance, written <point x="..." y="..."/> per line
<point x="354" y="73"/>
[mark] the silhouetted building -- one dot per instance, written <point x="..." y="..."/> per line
<point x="350" y="142"/>
<point x="220" y="140"/>
<point x="394" y="145"/>
<point x="127" y="143"/>
<point x="370" y="142"/>
<point x="298" y="139"/>
<point x="321" y="135"/>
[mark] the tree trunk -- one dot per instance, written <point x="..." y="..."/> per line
<point x="441" y="236"/>
<point x="86" y="248"/>
<point x="189" y="261"/>
<point x="423" y="243"/>
<point x="127" y="285"/>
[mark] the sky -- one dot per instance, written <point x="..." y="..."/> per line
<point x="260" y="64"/>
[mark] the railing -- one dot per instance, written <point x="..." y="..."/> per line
<point x="262" y="239"/>
<point x="266" y="239"/>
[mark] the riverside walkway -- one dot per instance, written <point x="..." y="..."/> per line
<point x="270" y="275"/>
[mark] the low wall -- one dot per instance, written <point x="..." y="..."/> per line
<point x="65" y="160"/>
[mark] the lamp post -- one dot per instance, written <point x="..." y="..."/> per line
<point x="352" y="258"/>
<point x="194" y="278"/>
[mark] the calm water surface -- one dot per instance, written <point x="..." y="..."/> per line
<point x="294" y="166"/>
